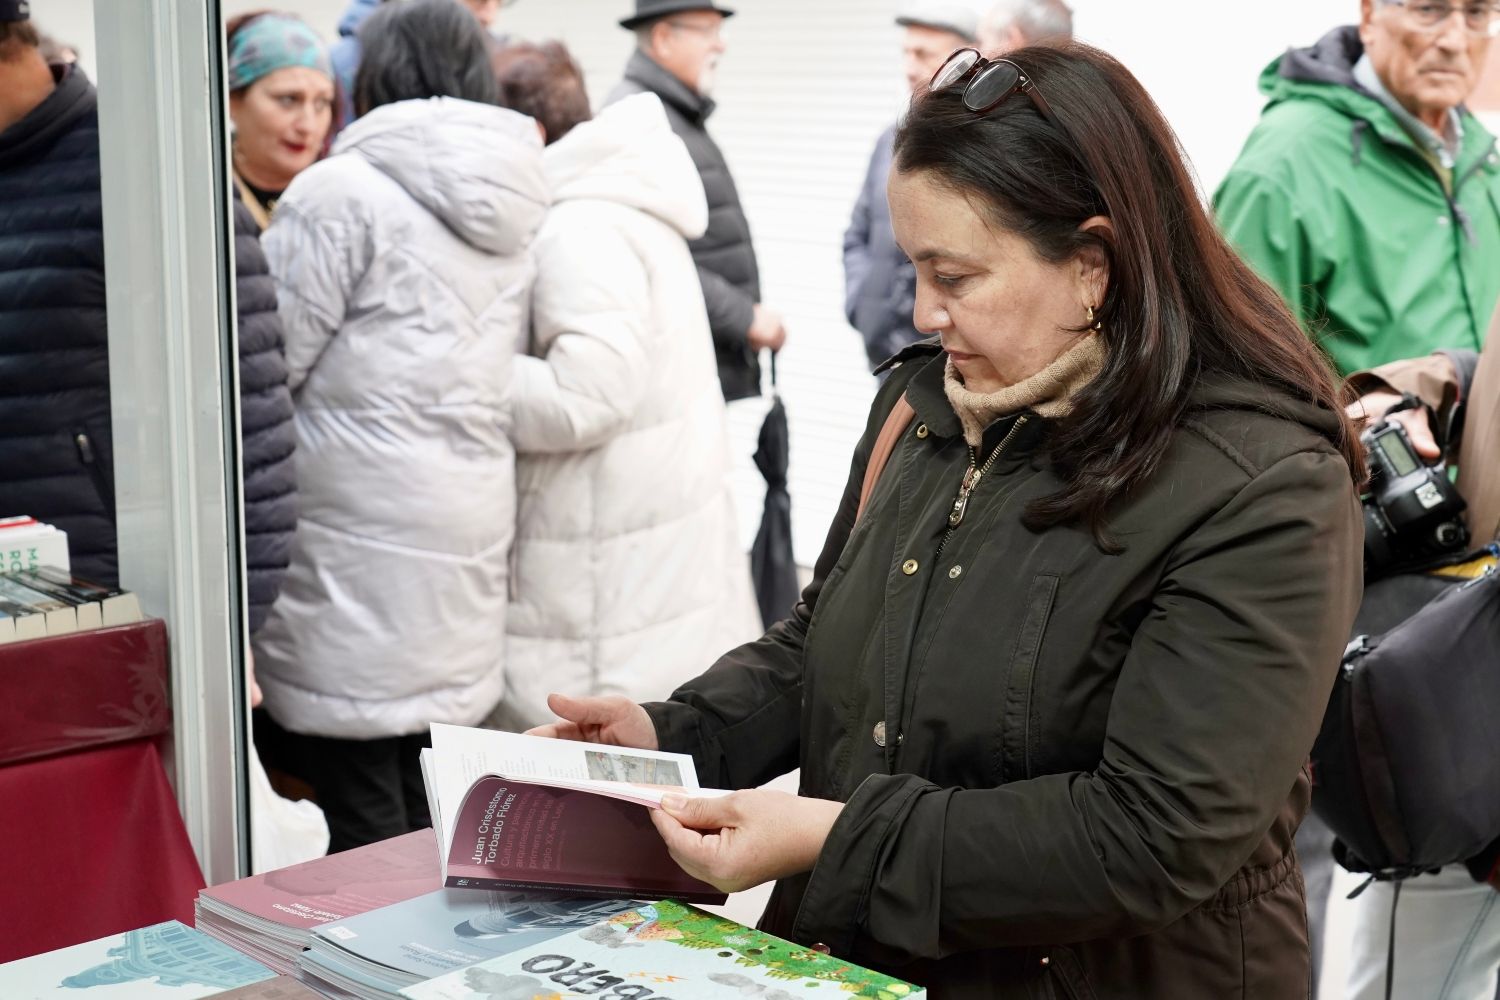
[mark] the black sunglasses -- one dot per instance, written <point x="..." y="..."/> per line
<point x="990" y="81"/>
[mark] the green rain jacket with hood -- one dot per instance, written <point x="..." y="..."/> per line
<point x="1067" y="774"/>
<point x="1334" y="204"/>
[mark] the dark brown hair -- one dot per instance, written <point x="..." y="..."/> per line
<point x="1180" y="306"/>
<point x="17" y="35"/>
<point x="543" y="81"/>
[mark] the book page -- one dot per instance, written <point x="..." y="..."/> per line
<point x="462" y="755"/>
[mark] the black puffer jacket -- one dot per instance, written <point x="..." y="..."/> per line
<point x="268" y="437"/>
<point x="56" y="454"/>
<point x="724" y="254"/>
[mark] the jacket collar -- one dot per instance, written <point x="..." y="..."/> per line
<point x="650" y="74"/>
<point x="925" y="393"/>
<point x="72" y="99"/>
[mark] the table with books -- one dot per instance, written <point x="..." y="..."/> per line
<point x="408" y="918"/>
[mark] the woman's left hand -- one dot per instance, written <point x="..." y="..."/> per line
<point x="745" y="838"/>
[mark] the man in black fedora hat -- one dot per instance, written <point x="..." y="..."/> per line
<point x="679" y="43"/>
<point x="55" y="437"/>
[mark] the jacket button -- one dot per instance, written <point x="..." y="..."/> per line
<point x="909" y="567"/>
<point x="922" y="432"/>
<point x="821" y="947"/>
<point x="955" y="572"/>
<point x="1046" y="960"/>
<point x="879" y="733"/>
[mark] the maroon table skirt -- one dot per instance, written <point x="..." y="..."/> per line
<point x="91" y="844"/>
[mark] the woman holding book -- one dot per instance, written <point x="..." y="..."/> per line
<point x="403" y="276"/>
<point x="1069" y="641"/>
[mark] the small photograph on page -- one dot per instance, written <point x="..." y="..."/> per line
<point x="606" y="765"/>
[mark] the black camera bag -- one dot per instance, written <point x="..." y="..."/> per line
<point x="1408" y="759"/>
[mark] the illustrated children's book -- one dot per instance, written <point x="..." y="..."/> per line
<point x="376" y="954"/>
<point x="167" y="960"/>
<point x="665" y="951"/>
<point x="521" y="812"/>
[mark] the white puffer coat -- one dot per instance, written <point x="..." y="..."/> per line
<point x="628" y="578"/>
<point x="403" y="277"/>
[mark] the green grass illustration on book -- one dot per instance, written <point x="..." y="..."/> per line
<point x="692" y="928"/>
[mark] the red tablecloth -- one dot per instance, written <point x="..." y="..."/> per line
<point x="91" y="844"/>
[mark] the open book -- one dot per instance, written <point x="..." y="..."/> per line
<point x="522" y="812"/>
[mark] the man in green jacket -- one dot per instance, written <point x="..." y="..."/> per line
<point x="1367" y="194"/>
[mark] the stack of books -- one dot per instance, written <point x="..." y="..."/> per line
<point x="163" y="960"/>
<point x="40" y="602"/>
<point x="378" y="954"/>
<point x="271" y="916"/>
<point x="26" y="543"/>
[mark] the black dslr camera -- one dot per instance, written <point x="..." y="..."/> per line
<point x="1411" y="508"/>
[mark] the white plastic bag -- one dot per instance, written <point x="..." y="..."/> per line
<point x="282" y="832"/>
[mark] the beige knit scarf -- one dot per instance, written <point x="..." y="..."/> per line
<point x="1049" y="393"/>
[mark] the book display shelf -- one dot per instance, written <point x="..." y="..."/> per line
<point x="93" y="843"/>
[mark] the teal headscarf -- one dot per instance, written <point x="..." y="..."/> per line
<point x="271" y="42"/>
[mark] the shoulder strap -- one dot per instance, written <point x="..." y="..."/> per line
<point x="895" y="425"/>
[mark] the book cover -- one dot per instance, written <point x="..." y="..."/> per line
<point x="454" y="928"/>
<point x="665" y="951"/>
<point x="519" y="812"/>
<point x="26" y="543"/>
<point x="335" y="887"/>
<point x="167" y="960"/>
<point x="515" y="834"/>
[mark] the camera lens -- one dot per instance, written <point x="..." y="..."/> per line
<point x="1449" y="534"/>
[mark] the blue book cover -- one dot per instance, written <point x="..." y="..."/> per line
<point x="169" y="961"/>
<point x="453" y="928"/>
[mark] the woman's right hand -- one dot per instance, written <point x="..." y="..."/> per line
<point x="614" y="720"/>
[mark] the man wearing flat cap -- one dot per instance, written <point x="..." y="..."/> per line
<point x="679" y="43"/>
<point x="880" y="284"/>
<point x="55" y="437"/>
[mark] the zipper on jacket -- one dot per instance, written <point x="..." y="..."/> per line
<point x="971" y="479"/>
<point x="91" y="463"/>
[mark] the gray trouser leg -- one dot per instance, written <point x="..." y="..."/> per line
<point x="1315" y="852"/>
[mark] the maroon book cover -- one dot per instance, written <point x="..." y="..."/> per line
<point x="517" y="835"/>
<point x="339" y="885"/>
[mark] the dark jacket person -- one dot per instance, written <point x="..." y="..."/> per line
<point x="56" y="449"/>
<point x="681" y="38"/>
<point x="1053" y="692"/>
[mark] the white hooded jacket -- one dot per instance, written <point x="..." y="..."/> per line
<point x="403" y="277"/>
<point x="628" y="577"/>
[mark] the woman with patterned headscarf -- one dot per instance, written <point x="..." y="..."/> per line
<point x="281" y="94"/>
<point x="281" y="99"/>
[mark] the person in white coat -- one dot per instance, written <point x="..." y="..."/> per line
<point x="628" y="576"/>
<point x="403" y="279"/>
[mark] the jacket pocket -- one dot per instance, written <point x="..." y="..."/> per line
<point x="1065" y="973"/>
<point x="1019" y="732"/>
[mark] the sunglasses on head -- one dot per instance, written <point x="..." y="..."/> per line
<point x="991" y="81"/>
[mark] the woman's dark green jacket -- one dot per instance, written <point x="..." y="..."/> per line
<point x="1066" y="773"/>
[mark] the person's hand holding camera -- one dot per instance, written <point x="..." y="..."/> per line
<point x="1372" y="407"/>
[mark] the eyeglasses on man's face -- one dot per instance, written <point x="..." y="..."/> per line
<point x="709" y="32"/>
<point x="1480" y="19"/>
